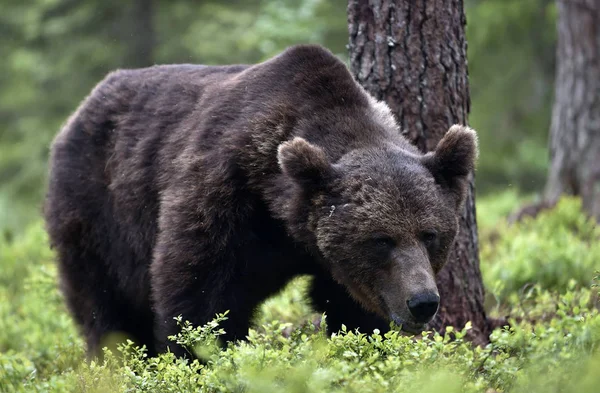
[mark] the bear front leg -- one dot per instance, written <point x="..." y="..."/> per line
<point x="332" y="298"/>
<point x="198" y="296"/>
<point x="195" y="260"/>
<point x="197" y="289"/>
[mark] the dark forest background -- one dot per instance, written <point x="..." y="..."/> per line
<point x="54" y="51"/>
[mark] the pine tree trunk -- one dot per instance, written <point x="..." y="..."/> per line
<point x="412" y="54"/>
<point x="575" y="128"/>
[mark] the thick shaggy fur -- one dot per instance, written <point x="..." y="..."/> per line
<point x="193" y="190"/>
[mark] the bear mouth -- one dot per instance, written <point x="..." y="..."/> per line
<point x="405" y="326"/>
<point x="408" y="326"/>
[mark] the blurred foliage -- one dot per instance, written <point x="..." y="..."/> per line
<point x="551" y="345"/>
<point x="557" y="249"/>
<point x="55" y="51"/>
<point x="496" y="208"/>
<point x="511" y="54"/>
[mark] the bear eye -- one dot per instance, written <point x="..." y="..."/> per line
<point x="383" y="241"/>
<point x="429" y="238"/>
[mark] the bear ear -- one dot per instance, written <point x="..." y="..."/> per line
<point x="453" y="159"/>
<point x="304" y="162"/>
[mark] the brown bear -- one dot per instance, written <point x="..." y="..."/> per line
<point x="191" y="190"/>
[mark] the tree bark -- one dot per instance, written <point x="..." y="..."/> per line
<point x="412" y="55"/>
<point x="575" y="128"/>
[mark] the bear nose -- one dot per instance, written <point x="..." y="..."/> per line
<point x="423" y="306"/>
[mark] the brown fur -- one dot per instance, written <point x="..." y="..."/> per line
<point x="193" y="190"/>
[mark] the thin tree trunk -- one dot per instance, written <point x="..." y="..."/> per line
<point x="575" y="128"/>
<point x="412" y="54"/>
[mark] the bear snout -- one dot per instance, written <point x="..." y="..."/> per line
<point x="423" y="306"/>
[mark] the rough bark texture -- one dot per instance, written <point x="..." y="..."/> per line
<point x="412" y="54"/>
<point x="575" y="128"/>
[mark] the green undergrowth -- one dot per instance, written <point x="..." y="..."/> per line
<point x="558" y="250"/>
<point x="539" y="272"/>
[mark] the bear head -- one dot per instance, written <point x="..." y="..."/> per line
<point x="384" y="219"/>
